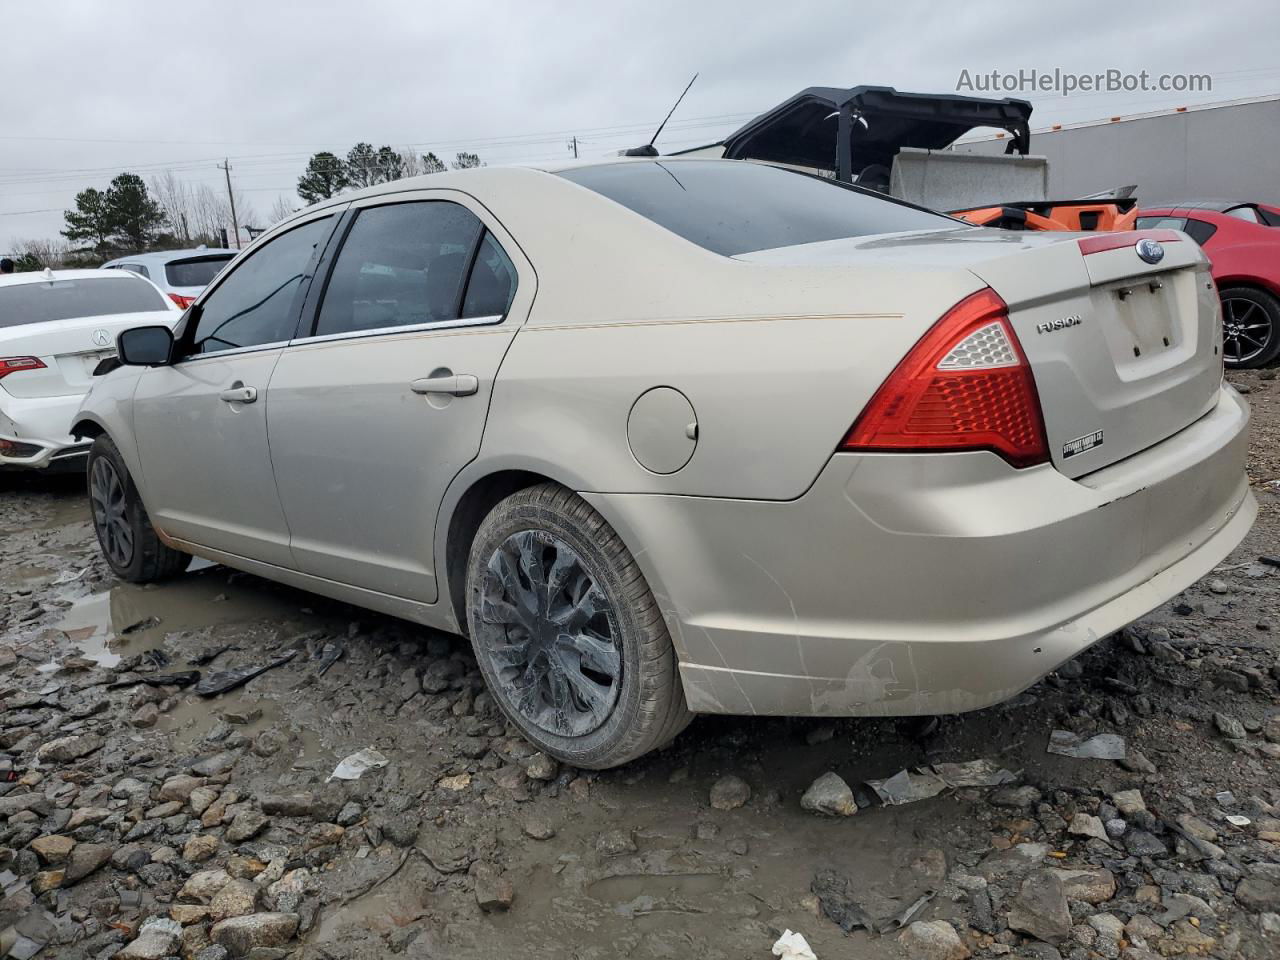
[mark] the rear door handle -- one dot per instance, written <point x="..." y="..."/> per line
<point x="459" y="385"/>
<point x="239" y="394"/>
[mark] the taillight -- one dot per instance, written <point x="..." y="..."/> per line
<point x="10" y="365"/>
<point x="181" y="301"/>
<point x="965" y="386"/>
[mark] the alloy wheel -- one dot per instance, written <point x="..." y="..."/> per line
<point x="1246" y="330"/>
<point x="549" y="632"/>
<point x="110" y="517"/>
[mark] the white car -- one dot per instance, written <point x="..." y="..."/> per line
<point x="55" y="328"/>
<point x="180" y="274"/>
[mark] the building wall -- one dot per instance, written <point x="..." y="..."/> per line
<point x="1226" y="152"/>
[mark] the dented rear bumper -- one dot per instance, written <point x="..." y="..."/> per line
<point x="930" y="583"/>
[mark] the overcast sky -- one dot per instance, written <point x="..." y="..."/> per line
<point x="94" y="88"/>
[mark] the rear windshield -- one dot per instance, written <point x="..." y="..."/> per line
<point x="196" y="272"/>
<point x="63" y="299"/>
<point x="734" y="206"/>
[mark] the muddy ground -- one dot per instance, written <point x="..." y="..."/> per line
<point x="142" y="819"/>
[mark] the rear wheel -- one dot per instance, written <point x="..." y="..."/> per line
<point x="128" y="541"/>
<point x="1250" y="327"/>
<point x="567" y="633"/>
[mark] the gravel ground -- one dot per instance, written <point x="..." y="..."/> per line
<point x="140" y="819"/>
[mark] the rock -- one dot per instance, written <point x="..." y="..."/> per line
<point x="47" y="880"/>
<point x="216" y="764"/>
<point x="539" y="829"/>
<point x="18" y="803"/>
<point x="239" y="935"/>
<point x="131" y="789"/>
<point x="288" y="805"/>
<point x="201" y="798"/>
<point x="84" y="860"/>
<point x="1141" y="843"/>
<point x="158" y="938"/>
<point x="202" y="886"/>
<point x="1087" y="825"/>
<point x="439" y="675"/>
<point x="236" y="898"/>
<point x="402" y="830"/>
<point x="1271" y="728"/>
<point x="615" y="843"/>
<point x="180" y="787"/>
<point x="1136" y="761"/>
<point x="188" y="913"/>
<point x="1128" y="802"/>
<point x="1015" y="798"/>
<point x="53" y="850"/>
<point x="1259" y="894"/>
<point x="145" y="716"/>
<point x="349" y="814"/>
<point x="200" y="848"/>
<point x="67" y="749"/>
<point x="245" y="825"/>
<point x="1109" y="926"/>
<point x="1091" y="884"/>
<point x="829" y="795"/>
<point x="215" y="951"/>
<point x="493" y="890"/>
<point x="933" y="940"/>
<point x="1229" y="727"/>
<point x="729" y="793"/>
<point x="1196" y="827"/>
<point x="1040" y="908"/>
<point x="541" y="767"/>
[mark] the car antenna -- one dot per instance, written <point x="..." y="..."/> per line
<point x="649" y="150"/>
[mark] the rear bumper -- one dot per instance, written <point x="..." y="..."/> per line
<point x="927" y="584"/>
<point x="39" y="426"/>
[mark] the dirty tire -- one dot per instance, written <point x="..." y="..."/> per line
<point x="147" y="559"/>
<point x="648" y="708"/>
<point x="1255" y="316"/>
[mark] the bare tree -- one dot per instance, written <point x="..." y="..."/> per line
<point x="281" y="209"/>
<point x="174" y="197"/>
<point x="197" y="213"/>
<point x="48" y="253"/>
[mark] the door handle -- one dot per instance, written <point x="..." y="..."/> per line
<point x="239" y="394"/>
<point x="459" y="385"/>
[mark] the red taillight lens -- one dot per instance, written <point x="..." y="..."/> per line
<point x="10" y="365"/>
<point x="181" y="301"/>
<point x="965" y="386"/>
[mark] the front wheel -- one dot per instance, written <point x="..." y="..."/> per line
<point x="129" y="543"/>
<point x="567" y="633"/>
<point x="1250" y="327"/>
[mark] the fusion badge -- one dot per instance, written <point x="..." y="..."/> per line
<point x="1082" y="444"/>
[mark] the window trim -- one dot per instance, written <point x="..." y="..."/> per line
<point x="305" y="332"/>
<point x="185" y="341"/>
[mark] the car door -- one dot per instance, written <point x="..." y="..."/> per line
<point x="201" y="422"/>
<point x="378" y="407"/>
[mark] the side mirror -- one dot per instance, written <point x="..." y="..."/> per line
<point x="145" y="346"/>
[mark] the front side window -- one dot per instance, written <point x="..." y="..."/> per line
<point x="403" y="264"/>
<point x="255" y="305"/>
<point x="735" y="206"/>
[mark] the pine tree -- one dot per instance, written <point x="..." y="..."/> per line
<point x="325" y="177"/>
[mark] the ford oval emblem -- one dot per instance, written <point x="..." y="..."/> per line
<point x="1150" y="250"/>
<point x="102" y="338"/>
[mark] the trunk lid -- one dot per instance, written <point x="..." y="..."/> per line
<point x="1125" y="353"/>
<point x="69" y="349"/>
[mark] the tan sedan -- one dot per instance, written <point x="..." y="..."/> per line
<point x="666" y="437"/>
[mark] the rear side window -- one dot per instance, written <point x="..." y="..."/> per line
<point x="255" y="304"/>
<point x="406" y="264"/>
<point x="136" y="268"/>
<point x="734" y="206"/>
<point x="1160" y="223"/>
<point x="65" y="299"/>
<point x="195" y="272"/>
<point x="492" y="284"/>
<point x="1199" y="230"/>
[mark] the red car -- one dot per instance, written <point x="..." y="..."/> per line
<point x="1243" y="241"/>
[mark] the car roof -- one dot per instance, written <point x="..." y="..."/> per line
<point x="166" y="256"/>
<point x="45" y="276"/>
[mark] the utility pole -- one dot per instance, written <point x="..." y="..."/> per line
<point x="231" y="198"/>
<point x="573" y="145"/>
